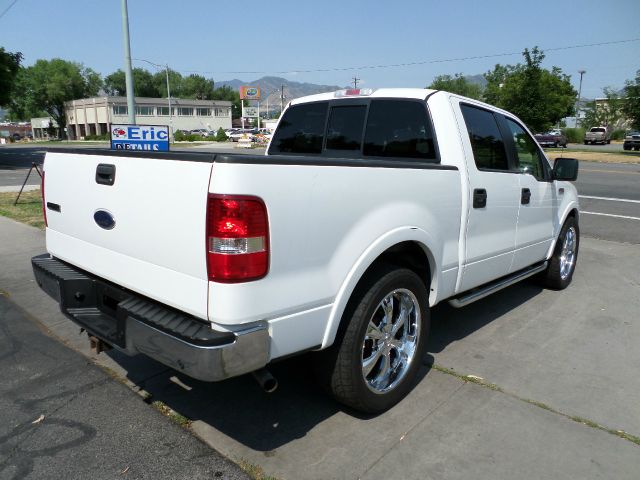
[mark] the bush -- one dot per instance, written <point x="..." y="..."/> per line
<point x="104" y="136"/>
<point x="618" y="135"/>
<point x="221" y="136"/>
<point x="574" y="135"/>
<point x="179" y="136"/>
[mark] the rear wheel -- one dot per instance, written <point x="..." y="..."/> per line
<point x="375" y="364"/>
<point x="562" y="264"/>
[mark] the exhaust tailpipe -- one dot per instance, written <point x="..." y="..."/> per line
<point x="264" y="378"/>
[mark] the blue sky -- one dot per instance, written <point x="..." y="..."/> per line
<point x="219" y="39"/>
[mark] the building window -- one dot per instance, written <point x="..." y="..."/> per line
<point x="203" y="112"/>
<point x="221" y="112"/>
<point x="144" y="111"/>
<point x="120" y="110"/>
<point x="164" y="111"/>
<point x="185" y="112"/>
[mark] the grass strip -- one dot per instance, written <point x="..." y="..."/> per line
<point x="492" y="386"/>
<point x="28" y="210"/>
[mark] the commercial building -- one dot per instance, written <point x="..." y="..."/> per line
<point x="94" y="116"/>
<point x="44" y="128"/>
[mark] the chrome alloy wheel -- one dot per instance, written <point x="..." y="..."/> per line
<point x="568" y="254"/>
<point x="391" y="340"/>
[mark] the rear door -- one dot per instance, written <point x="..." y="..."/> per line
<point x="137" y="221"/>
<point x="494" y="198"/>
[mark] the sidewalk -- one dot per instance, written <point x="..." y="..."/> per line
<point x="564" y="365"/>
<point x="63" y="417"/>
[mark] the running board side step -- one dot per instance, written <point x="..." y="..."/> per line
<point x="484" y="290"/>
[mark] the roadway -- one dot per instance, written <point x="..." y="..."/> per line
<point x="609" y="192"/>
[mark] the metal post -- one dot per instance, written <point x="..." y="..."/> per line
<point x="242" y="112"/>
<point x="128" y="74"/>
<point x="281" y="99"/>
<point x="169" y="98"/>
<point x="581" y="72"/>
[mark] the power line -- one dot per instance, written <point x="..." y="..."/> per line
<point x="411" y="64"/>
<point x="8" y="8"/>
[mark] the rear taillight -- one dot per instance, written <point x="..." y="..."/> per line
<point x="44" y="204"/>
<point x="237" y="238"/>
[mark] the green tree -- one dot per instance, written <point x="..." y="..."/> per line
<point x="198" y="87"/>
<point x="608" y="113"/>
<point x="144" y="84"/>
<point x="540" y="97"/>
<point x="631" y="106"/>
<point x="457" y="84"/>
<point x="233" y="96"/>
<point x="175" y="83"/>
<point x="9" y="68"/>
<point x="46" y="85"/>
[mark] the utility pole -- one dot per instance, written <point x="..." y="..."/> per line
<point x="281" y="99"/>
<point x="581" y="72"/>
<point x="128" y="74"/>
<point x="169" y="98"/>
<point x="355" y="82"/>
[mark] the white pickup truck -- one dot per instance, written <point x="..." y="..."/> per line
<point x="369" y="208"/>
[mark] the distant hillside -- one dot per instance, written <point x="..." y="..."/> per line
<point x="477" y="79"/>
<point x="270" y="86"/>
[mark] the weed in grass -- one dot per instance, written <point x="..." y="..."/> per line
<point x="254" y="471"/>
<point x="172" y="414"/>
<point x="28" y="210"/>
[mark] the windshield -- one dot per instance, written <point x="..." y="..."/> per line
<point x="598" y="130"/>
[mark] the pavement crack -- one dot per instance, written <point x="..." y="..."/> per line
<point x="574" y="418"/>
<point x="419" y="422"/>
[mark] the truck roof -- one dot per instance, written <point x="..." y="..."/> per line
<point x="417" y="93"/>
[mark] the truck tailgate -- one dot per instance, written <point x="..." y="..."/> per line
<point x="157" y="245"/>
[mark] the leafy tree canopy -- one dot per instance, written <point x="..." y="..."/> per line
<point x="609" y="113"/>
<point x="457" y="84"/>
<point x="631" y="107"/>
<point x="540" y="97"/>
<point x="144" y="84"/>
<point x="9" y="68"/>
<point x="46" y="85"/>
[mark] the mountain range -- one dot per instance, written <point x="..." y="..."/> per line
<point x="272" y="87"/>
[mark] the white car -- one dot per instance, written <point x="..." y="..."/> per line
<point x="369" y="208"/>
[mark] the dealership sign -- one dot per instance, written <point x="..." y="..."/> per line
<point x="140" y="137"/>
<point x="249" y="112"/>
<point x="249" y="93"/>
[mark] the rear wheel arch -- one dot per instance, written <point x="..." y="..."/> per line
<point x="411" y="254"/>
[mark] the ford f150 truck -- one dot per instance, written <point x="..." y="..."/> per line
<point x="597" y="135"/>
<point x="369" y="208"/>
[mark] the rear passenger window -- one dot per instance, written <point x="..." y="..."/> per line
<point x="345" y="127"/>
<point x="486" y="141"/>
<point x="301" y="130"/>
<point x="398" y="129"/>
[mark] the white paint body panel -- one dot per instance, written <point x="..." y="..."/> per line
<point x="327" y="225"/>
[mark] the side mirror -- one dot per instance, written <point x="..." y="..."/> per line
<point x="565" y="169"/>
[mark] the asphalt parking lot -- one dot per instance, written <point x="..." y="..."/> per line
<point x="553" y="391"/>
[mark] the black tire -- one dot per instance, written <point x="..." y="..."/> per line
<point x="555" y="277"/>
<point x="555" y="145"/>
<point x="344" y="370"/>
<point x="586" y="143"/>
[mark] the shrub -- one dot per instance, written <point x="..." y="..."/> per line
<point x="104" y="136"/>
<point x="574" y="135"/>
<point x="618" y="135"/>
<point x="221" y="136"/>
<point x="178" y="136"/>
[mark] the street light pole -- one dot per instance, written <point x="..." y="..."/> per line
<point x="581" y="72"/>
<point x="128" y="74"/>
<point x="169" y="99"/>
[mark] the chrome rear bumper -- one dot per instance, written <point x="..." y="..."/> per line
<point x="136" y="324"/>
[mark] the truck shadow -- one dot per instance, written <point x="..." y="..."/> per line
<point x="240" y="410"/>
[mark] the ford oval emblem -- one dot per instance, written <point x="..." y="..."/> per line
<point x="104" y="219"/>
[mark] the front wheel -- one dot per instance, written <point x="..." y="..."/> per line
<point x="378" y="358"/>
<point x="562" y="264"/>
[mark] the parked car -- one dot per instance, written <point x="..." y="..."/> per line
<point x="203" y="132"/>
<point x="369" y="208"/>
<point x="598" y="135"/>
<point x="552" y="138"/>
<point x="241" y="133"/>
<point x="631" y="141"/>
